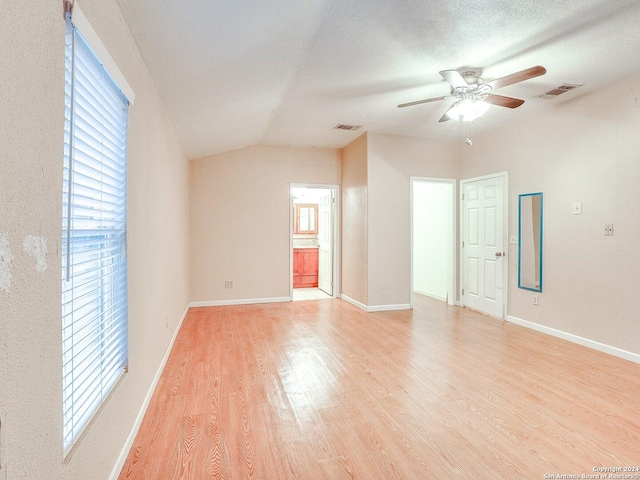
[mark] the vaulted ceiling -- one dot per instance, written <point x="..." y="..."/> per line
<point x="283" y="72"/>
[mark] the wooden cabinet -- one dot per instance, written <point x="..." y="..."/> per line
<point x="305" y="267"/>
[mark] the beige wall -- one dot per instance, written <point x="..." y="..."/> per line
<point x="240" y="218"/>
<point x="31" y="137"/>
<point x="585" y="150"/>
<point x="354" y="220"/>
<point x="392" y="160"/>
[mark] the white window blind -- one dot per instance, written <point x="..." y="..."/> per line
<point x="94" y="219"/>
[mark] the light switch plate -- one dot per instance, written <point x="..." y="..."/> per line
<point x="577" y="208"/>
<point x="513" y="239"/>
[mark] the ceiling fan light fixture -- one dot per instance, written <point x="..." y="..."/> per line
<point x="467" y="110"/>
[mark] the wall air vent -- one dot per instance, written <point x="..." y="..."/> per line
<point x="564" y="88"/>
<point x="347" y="127"/>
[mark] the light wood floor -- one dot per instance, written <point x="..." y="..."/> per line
<point x="322" y="390"/>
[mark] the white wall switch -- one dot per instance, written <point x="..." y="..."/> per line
<point x="535" y="299"/>
<point x="577" y="208"/>
<point x="513" y="239"/>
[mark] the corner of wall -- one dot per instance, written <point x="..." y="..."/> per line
<point x="354" y="186"/>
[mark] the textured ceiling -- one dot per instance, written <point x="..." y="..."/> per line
<point x="282" y="72"/>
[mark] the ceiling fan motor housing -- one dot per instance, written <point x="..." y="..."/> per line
<point x="472" y="77"/>
<point x="475" y="89"/>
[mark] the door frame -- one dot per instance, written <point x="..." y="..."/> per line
<point x="451" y="288"/>
<point x="505" y="235"/>
<point x="335" y="219"/>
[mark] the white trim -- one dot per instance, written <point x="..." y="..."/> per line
<point x="505" y="235"/>
<point x="585" y="342"/>
<point x="124" y="453"/>
<point x="432" y="295"/>
<point x="80" y="21"/>
<point x="361" y="306"/>
<point x="291" y="220"/>
<point x="386" y="308"/>
<point x="375" y="308"/>
<point x="451" y="288"/>
<point x="335" y="218"/>
<point x="242" y="301"/>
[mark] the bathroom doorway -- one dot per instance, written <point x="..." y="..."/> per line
<point x="313" y="241"/>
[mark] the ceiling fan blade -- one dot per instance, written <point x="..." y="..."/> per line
<point x="445" y="117"/>
<point x="502" y="101"/>
<point x="454" y="78"/>
<point x="418" y="102"/>
<point x="520" y="76"/>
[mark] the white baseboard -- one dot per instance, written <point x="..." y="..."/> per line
<point x="124" y="453"/>
<point x="386" y="308"/>
<point x="244" y="301"/>
<point x="432" y="295"/>
<point x="585" y="342"/>
<point x="375" y="308"/>
<point x="361" y="306"/>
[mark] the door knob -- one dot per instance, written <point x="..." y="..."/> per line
<point x="499" y="254"/>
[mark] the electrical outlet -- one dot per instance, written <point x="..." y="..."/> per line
<point x="513" y="239"/>
<point x="228" y="284"/>
<point x="608" y="230"/>
<point x="535" y="299"/>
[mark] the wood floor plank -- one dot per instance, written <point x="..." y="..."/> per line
<point x="323" y="390"/>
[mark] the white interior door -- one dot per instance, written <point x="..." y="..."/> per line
<point x="483" y="245"/>
<point x="325" y="240"/>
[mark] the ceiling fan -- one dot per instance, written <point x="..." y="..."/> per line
<point x="473" y="96"/>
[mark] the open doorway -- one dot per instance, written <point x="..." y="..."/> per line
<point x="313" y="242"/>
<point x="433" y="238"/>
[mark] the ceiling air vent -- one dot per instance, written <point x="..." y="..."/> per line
<point x="564" y="88"/>
<point x="347" y="127"/>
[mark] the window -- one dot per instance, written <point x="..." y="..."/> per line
<point x="94" y="219"/>
<point x="305" y="218"/>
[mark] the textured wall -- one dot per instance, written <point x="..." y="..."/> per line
<point x="354" y="220"/>
<point x="240" y="218"/>
<point x="31" y="137"/>
<point x="392" y="160"/>
<point x="584" y="150"/>
<point x="31" y="141"/>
